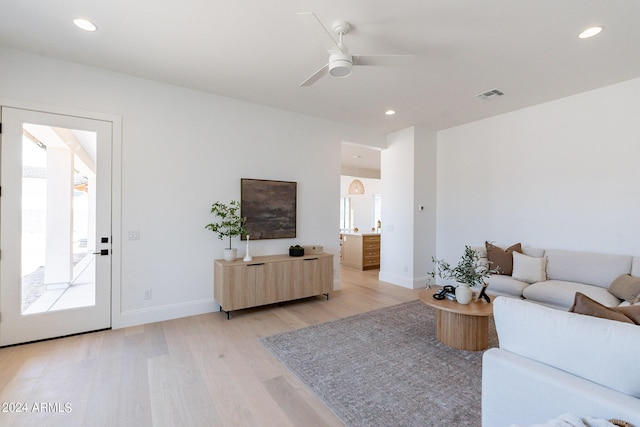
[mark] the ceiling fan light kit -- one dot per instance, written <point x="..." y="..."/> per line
<point x="340" y="65"/>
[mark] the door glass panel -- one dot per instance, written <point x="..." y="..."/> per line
<point x="58" y="218"/>
<point x="377" y="212"/>
<point x="346" y="214"/>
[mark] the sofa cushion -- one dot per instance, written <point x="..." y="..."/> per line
<point x="598" y="350"/>
<point x="505" y="285"/>
<point x="635" y="266"/>
<point x="582" y="304"/>
<point x="627" y="288"/>
<point x="585" y="267"/>
<point x="529" y="269"/>
<point x="534" y="252"/>
<point x="501" y="259"/>
<point x="560" y="294"/>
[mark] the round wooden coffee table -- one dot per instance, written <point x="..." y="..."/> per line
<point x="461" y="326"/>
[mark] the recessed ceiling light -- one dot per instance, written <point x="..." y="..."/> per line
<point x="590" y="32"/>
<point x="84" y="24"/>
<point x="390" y="112"/>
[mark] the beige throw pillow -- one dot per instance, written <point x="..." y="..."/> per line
<point x="529" y="269"/>
<point x="501" y="259"/>
<point x="626" y="287"/>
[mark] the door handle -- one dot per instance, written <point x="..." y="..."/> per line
<point x="102" y="252"/>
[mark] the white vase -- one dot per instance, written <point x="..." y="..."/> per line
<point x="230" y="254"/>
<point x="247" y="256"/>
<point x="463" y="293"/>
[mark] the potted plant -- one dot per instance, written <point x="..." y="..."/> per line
<point x="470" y="271"/>
<point x="230" y="225"/>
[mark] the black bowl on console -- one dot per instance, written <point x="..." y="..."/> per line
<point x="296" y="251"/>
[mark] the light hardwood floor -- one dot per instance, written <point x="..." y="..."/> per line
<point x="197" y="371"/>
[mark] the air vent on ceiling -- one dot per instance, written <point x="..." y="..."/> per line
<point x="490" y="94"/>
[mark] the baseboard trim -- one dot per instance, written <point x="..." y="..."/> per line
<point x="165" y="312"/>
<point x="404" y="281"/>
<point x="173" y="311"/>
<point x="421" y="282"/>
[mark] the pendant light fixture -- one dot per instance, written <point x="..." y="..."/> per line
<point x="356" y="187"/>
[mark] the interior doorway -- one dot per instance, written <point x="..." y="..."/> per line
<point x="360" y="210"/>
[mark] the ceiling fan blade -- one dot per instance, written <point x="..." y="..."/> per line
<point x="384" y="60"/>
<point x="315" y="76"/>
<point x="321" y="34"/>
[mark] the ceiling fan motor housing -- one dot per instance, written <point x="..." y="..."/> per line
<point x="340" y="65"/>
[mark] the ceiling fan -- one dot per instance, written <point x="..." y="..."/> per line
<point x="340" y="60"/>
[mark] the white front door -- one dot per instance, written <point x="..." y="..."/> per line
<point x="55" y="225"/>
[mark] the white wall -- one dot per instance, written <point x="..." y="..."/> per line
<point x="396" y="242"/>
<point x="362" y="205"/>
<point x="563" y="174"/>
<point x="408" y="182"/>
<point x="181" y="151"/>
<point x="424" y="194"/>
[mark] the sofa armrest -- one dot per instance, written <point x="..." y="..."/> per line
<point x="599" y="350"/>
<point x="518" y="390"/>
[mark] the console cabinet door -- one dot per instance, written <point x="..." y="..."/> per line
<point x="291" y="280"/>
<point x="237" y="287"/>
<point x="326" y="274"/>
<point x="268" y="284"/>
<point x="317" y="276"/>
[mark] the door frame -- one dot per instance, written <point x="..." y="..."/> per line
<point x="116" y="189"/>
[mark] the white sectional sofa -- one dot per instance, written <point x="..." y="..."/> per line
<point x="564" y="273"/>
<point x="552" y="362"/>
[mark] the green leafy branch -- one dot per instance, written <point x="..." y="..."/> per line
<point x="470" y="269"/>
<point x="230" y="224"/>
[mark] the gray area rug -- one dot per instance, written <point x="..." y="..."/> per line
<point x="386" y="368"/>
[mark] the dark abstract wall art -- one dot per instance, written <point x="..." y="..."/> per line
<point x="270" y="208"/>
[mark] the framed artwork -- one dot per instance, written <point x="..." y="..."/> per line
<point x="270" y="208"/>
<point x="482" y="294"/>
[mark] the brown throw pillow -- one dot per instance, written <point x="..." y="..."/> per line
<point x="632" y="312"/>
<point x="626" y="287"/>
<point x="620" y="423"/>
<point x="582" y="304"/>
<point x="502" y="259"/>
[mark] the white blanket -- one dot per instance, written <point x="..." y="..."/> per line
<point x="570" y="420"/>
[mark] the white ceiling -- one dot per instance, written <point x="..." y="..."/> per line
<point x="259" y="51"/>
<point x="358" y="160"/>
